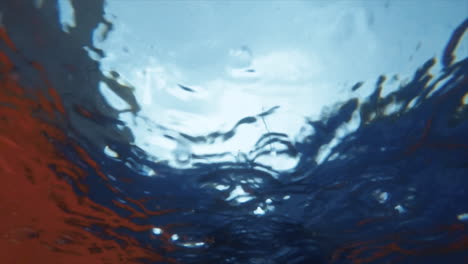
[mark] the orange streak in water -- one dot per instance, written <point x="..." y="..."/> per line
<point x="146" y="211"/>
<point x="43" y="220"/>
<point x="6" y="39"/>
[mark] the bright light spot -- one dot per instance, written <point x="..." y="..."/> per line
<point x="157" y="231"/>
<point x="380" y="196"/>
<point x="278" y="162"/>
<point x="221" y="187"/>
<point x="109" y="152"/>
<point x="383" y="197"/>
<point x="66" y="14"/>
<point x="334" y="156"/>
<point x="244" y="199"/>
<point x="192" y="244"/>
<point x="259" y="211"/>
<point x="149" y="172"/>
<point x="400" y="209"/>
<point x="238" y="191"/>
<point x="258" y="180"/>
<point x="175" y="237"/>
<point x="465" y="99"/>
<point x="268" y="201"/>
<point x="239" y="195"/>
<point x="92" y="54"/>
<point x="341" y="132"/>
<point x="112" y="98"/>
<point x="286" y="197"/>
<point x="392" y="108"/>
<point x="412" y="103"/>
<point x="325" y="150"/>
<point x="463" y="217"/>
<point x="437" y="86"/>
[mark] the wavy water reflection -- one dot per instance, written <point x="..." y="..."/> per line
<point x="375" y="179"/>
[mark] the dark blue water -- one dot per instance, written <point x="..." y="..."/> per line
<point x="399" y="178"/>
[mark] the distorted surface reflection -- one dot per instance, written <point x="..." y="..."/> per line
<point x="233" y="132"/>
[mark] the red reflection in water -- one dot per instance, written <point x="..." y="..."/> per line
<point x="402" y="246"/>
<point x="43" y="220"/>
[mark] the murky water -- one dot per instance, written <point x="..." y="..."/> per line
<point x="233" y="132"/>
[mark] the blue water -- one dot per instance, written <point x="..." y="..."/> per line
<point x="405" y="172"/>
<point x="392" y="191"/>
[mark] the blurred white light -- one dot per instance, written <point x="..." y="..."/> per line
<point x="259" y="211"/>
<point x="157" y="231"/>
<point x="221" y="187"/>
<point x="111" y="153"/>
<point x="463" y="217"/>
<point x="400" y="209"/>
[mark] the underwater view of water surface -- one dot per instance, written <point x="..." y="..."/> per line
<point x="243" y="132"/>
